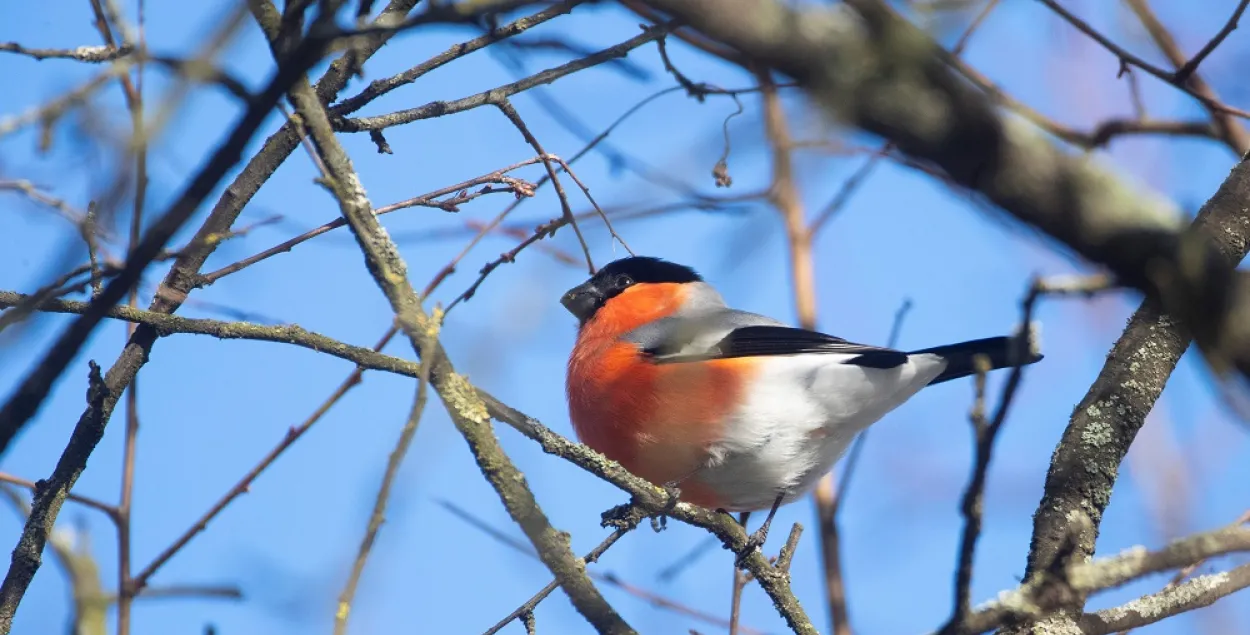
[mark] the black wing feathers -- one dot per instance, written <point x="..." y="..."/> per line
<point x="751" y="341"/>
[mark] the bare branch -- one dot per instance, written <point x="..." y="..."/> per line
<point x="528" y="607"/>
<point x="1230" y="129"/>
<point x="441" y="108"/>
<point x="49" y="496"/>
<point x="90" y="54"/>
<point x="1183" y="73"/>
<point x="1193" y="594"/>
<point x="378" y="515"/>
<point x="607" y="577"/>
<point x="108" y="509"/>
<point x="292" y="435"/>
<point x="380" y="87"/>
<point x="1042" y="595"/>
<point x="1204" y="96"/>
<point x="514" y="117"/>
<point x="516" y="186"/>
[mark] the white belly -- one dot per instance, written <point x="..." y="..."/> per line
<point x="798" y="420"/>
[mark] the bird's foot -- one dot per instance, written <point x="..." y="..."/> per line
<point x="660" y="522"/>
<point x="754" y="541"/>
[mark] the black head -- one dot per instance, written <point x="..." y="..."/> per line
<point x="587" y="298"/>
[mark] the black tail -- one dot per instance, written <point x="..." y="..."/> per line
<point x="1003" y="352"/>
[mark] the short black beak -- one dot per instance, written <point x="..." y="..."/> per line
<point x="582" y="301"/>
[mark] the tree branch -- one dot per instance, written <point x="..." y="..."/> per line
<point x="440" y="108"/>
<point x="1192" y="594"/>
<point x="49" y="496"/>
<point x="378" y="515"/>
<point x="1044" y="595"/>
<point x="91" y="54"/>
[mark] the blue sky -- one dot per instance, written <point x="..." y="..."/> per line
<point x="211" y="409"/>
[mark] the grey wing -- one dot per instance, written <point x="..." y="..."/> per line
<point x="726" y="333"/>
<point x="693" y="335"/>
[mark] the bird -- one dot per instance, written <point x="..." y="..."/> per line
<point x="730" y="410"/>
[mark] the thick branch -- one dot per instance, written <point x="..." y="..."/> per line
<point x="1043" y="595"/>
<point x="1192" y="594"/>
<point x="1109" y="573"/>
<point x="49" y="496"/>
<point x="1087" y="459"/>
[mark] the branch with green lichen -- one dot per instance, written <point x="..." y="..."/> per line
<point x="1192" y="594"/>
<point x="1045" y="598"/>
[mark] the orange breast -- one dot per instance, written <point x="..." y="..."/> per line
<point x="655" y="419"/>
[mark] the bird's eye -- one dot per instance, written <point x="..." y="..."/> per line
<point x="624" y="281"/>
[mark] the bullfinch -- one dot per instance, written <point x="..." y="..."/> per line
<point x="731" y="410"/>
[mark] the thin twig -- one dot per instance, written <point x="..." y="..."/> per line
<point x="108" y="509"/>
<point x="652" y="597"/>
<point x="63" y="209"/>
<point x="586" y="191"/>
<point x="786" y="555"/>
<point x="528" y="607"/>
<point x="740" y="580"/>
<point x="1231" y="131"/>
<point x="133" y="91"/>
<point x="244" y="484"/>
<point x="378" y="515"/>
<point x="380" y="87"/>
<point x="849" y="186"/>
<point x="1183" y="73"/>
<point x="442" y="108"/>
<point x="513" y="116"/>
<point x="1128" y="58"/>
<point x="450" y="267"/>
<point x="985" y="435"/>
<point x="431" y="199"/>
